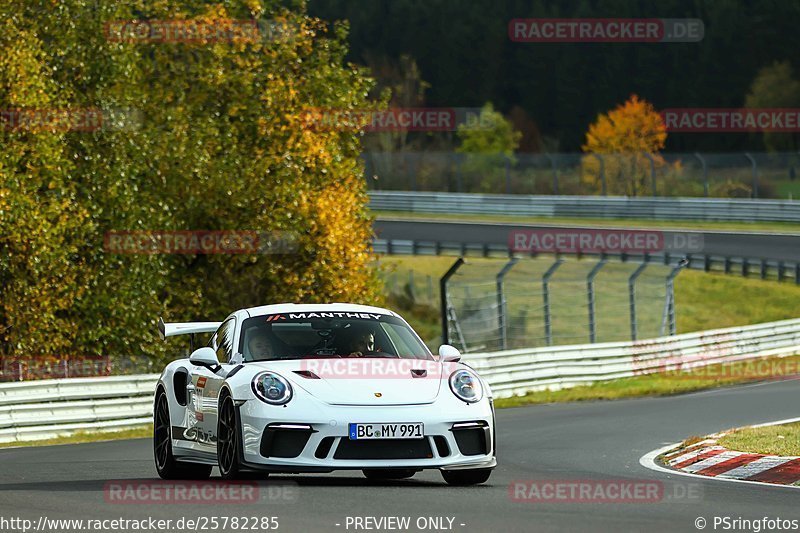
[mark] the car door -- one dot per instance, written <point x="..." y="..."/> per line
<point x="206" y="385"/>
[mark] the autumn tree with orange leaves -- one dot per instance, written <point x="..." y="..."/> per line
<point x="626" y="138"/>
<point x="212" y="138"/>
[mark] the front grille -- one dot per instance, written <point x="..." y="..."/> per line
<point x="286" y="443"/>
<point x="383" y="449"/>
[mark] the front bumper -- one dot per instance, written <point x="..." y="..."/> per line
<point x="323" y="444"/>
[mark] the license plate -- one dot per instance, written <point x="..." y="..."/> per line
<point x="413" y="430"/>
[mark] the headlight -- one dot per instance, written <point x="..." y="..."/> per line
<point x="466" y="386"/>
<point x="272" y="388"/>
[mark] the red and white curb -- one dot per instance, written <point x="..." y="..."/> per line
<point x="708" y="459"/>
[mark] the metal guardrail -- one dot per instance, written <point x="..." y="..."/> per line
<point x="516" y="372"/>
<point x="33" y="410"/>
<point x="611" y="207"/>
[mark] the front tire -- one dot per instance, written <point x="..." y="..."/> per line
<point x="228" y="441"/>
<point x="388" y="473"/>
<point x="466" y="477"/>
<point x="166" y="464"/>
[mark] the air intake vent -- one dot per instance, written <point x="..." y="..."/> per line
<point x="383" y="449"/>
<point x="306" y="374"/>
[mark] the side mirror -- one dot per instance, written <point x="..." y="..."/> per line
<point x="449" y="354"/>
<point x="204" y="356"/>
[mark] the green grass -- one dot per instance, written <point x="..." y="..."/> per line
<point x="86" y="436"/>
<point x="789" y="188"/>
<point x="713" y="300"/>
<point x="781" y="227"/>
<point x="659" y="384"/>
<point x="770" y="440"/>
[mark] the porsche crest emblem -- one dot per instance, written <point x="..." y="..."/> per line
<point x="378" y="394"/>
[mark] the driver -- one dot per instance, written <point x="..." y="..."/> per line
<point x="260" y="346"/>
<point x="360" y="343"/>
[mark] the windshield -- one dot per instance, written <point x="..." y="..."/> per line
<point x="328" y="334"/>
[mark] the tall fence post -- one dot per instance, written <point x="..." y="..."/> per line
<point x="590" y="297"/>
<point x="632" y="297"/>
<point x="443" y="300"/>
<point x="501" y="303"/>
<point x="653" y="183"/>
<point x="368" y="171"/>
<point x="705" y="172"/>
<point x="754" y="167"/>
<point x="459" y="161"/>
<point x="669" y="300"/>
<point x="548" y="330"/>
<point x="507" y="161"/>
<point x="413" y="174"/>
<point x="554" y="166"/>
<point x="603" y="187"/>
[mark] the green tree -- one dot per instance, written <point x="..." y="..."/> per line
<point x="775" y="86"/>
<point x="489" y="143"/>
<point x="211" y="137"/>
<point x="41" y="226"/>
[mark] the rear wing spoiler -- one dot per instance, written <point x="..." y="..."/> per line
<point x="185" y="328"/>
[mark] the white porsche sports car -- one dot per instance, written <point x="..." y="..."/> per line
<point x="316" y="388"/>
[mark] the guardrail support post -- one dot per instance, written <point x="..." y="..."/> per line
<point x="548" y="330"/>
<point x="632" y="297"/>
<point x="705" y="173"/>
<point x="502" y="322"/>
<point x="603" y="187"/>
<point x="752" y="160"/>
<point x="590" y="297"/>
<point x="443" y="296"/>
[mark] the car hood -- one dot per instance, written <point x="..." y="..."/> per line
<point x="364" y="381"/>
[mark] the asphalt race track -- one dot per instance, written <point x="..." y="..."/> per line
<point x="599" y="441"/>
<point x="771" y="246"/>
